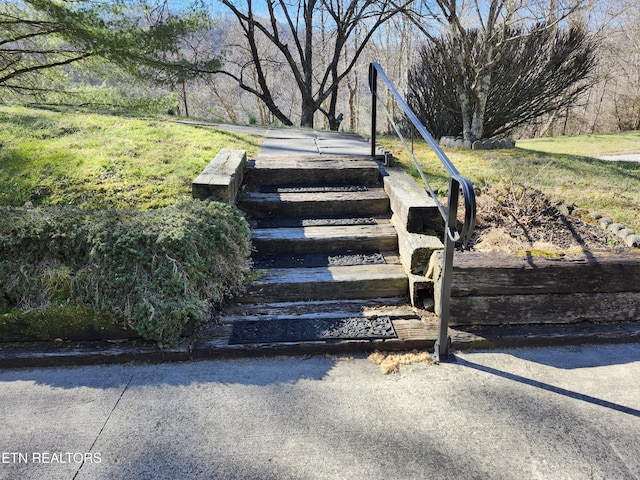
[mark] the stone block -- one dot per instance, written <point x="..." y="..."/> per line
<point x="625" y="232"/>
<point x="615" y="227"/>
<point x="605" y="222"/>
<point x="632" y="241"/>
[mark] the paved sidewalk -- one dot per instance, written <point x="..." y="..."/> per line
<point x="287" y="142"/>
<point x="292" y="141"/>
<point x="550" y="413"/>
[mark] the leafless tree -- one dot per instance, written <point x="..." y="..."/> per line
<point x="311" y="38"/>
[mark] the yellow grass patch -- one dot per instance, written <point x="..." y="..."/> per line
<point x="389" y="362"/>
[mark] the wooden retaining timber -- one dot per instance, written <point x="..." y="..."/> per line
<point x="312" y="169"/>
<point x="504" y="289"/>
<point x="260" y="204"/>
<point x="331" y="239"/>
<point x="339" y="283"/>
<point x="222" y="178"/>
<point x="416" y="218"/>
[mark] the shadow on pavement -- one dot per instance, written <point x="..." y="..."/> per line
<point x="580" y="356"/>
<point x="271" y="371"/>
<point x="548" y="387"/>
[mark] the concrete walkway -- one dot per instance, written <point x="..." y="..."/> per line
<point x="285" y="142"/>
<point x="292" y="141"/>
<point x="551" y="413"/>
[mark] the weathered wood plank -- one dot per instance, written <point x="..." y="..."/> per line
<point x="395" y="307"/>
<point x="415" y="249"/>
<point x="545" y="335"/>
<point x="222" y="177"/>
<point x="414" y="329"/>
<point x="393" y="312"/>
<point x="545" y="308"/>
<point x="325" y="239"/>
<point x="309" y="170"/>
<point x="329" y="283"/>
<point x="413" y="206"/>
<point x="371" y="202"/>
<point x="504" y="274"/>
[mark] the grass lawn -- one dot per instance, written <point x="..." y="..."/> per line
<point x="586" y="145"/>
<point x="563" y="168"/>
<point x="154" y="269"/>
<point x="103" y="161"/>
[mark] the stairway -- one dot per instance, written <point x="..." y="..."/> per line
<point x="325" y="247"/>
<point x="321" y="230"/>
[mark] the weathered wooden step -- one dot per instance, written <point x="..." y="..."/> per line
<point x="325" y="239"/>
<point x="374" y="201"/>
<point x="392" y="307"/>
<point x="284" y="222"/>
<point x="309" y="170"/>
<point x="323" y="259"/>
<point x="325" y="283"/>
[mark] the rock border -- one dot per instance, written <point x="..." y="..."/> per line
<point x="627" y="235"/>
<point x="482" y="144"/>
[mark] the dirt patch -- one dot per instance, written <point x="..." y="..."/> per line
<point x="512" y="217"/>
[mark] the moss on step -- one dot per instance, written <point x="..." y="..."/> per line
<point x="68" y="322"/>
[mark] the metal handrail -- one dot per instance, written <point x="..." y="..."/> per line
<point x="449" y="213"/>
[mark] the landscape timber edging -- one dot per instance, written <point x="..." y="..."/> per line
<point x="416" y="218"/>
<point x="511" y="289"/>
<point x="222" y="177"/>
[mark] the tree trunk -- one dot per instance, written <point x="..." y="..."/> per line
<point x="308" y="110"/>
<point x="480" y="106"/>
<point x="353" y="110"/>
<point x="184" y="99"/>
<point x="466" y="110"/>
<point x="334" y="120"/>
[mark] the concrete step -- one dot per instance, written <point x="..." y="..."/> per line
<point x="312" y="170"/>
<point x="328" y="283"/>
<point x="328" y="239"/>
<point x="372" y="202"/>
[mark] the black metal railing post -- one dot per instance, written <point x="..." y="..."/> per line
<point x="442" y="303"/>
<point x="449" y="214"/>
<point x="373" y="82"/>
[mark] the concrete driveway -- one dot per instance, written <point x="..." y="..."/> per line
<point x="547" y="413"/>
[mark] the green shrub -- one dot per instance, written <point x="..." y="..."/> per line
<point x="156" y="271"/>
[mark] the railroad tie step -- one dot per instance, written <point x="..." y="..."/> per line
<point x="329" y="239"/>
<point x="373" y="201"/>
<point x="320" y="169"/>
<point x="339" y="322"/>
<point x="332" y="282"/>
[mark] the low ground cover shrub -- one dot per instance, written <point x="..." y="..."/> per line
<point x="154" y="271"/>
